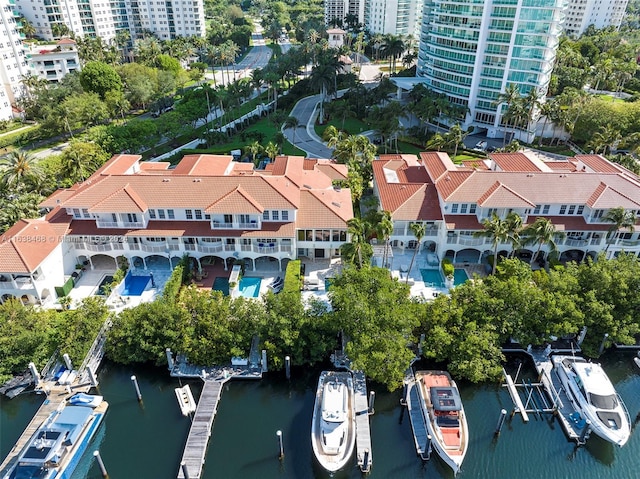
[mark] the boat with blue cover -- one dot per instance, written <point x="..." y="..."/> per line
<point x="56" y="447"/>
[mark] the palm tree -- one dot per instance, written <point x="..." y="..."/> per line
<point x="621" y="219"/>
<point x="341" y="109"/>
<point x="293" y="123"/>
<point x="499" y="231"/>
<point x="271" y="150"/>
<point x="384" y="228"/>
<point x="18" y="167"/>
<point x="510" y="97"/>
<point x="418" y="230"/>
<point x="253" y="149"/>
<point x="548" y="109"/>
<point x="393" y="48"/>
<point x="456" y="137"/>
<point x="357" y="229"/>
<point x="541" y="231"/>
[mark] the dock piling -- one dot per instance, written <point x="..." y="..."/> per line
<point x="372" y="398"/>
<point x="287" y="366"/>
<point x="92" y="377"/>
<point x="602" y="344"/>
<point x="503" y="415"/>
<point x="185" y="470"/>
<point x="365" y="461"/>
<point x="103" y="470"/>
<point x="134" y="380"/>
<point x="264" y="360"/>
<point x="67" y="361"/>
<point x="280" y="445"/>
<point x="34" y="373"/>
<point x="170" y="363"/>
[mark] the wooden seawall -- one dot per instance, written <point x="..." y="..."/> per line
<point x="198" y="439"/>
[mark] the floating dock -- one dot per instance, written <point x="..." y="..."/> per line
<point x="363" y="433"/>
<point x="418" y="421"/>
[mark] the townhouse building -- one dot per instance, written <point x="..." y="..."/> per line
<point x="452" y="201"/>
<point x="208" y="206"/>
<point x="53" y="62"/>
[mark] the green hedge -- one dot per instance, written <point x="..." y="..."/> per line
<point x="292" y="277"/>
<point x="447" y="268"/>
<point x="172" y="286"/>
<point x="62" y="291"/>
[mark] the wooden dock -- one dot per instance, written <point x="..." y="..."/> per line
<point x="417" y="419"/>
<point x="363" y="432"/>
<point x="198" y="439"/>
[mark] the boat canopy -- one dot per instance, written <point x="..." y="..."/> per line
<point x="445" y="399"/>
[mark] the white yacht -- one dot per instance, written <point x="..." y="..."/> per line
<point x="333" y="431"/>
<point x="594" y="397"/>
<point x="57" y="445"/>
<point x="444" y="414"/>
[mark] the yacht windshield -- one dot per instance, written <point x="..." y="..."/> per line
<point x="603" y="402"/>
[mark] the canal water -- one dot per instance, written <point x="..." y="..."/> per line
<point x="145" y="441"/>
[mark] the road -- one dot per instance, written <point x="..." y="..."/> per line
<point x="305" y="136"/>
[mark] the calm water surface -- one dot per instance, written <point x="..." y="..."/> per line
<point x="146" y="441"/>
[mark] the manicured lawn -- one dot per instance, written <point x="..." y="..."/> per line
<point x="610" y="98"/>
<point x="352" y="126"/>
<point x="558" y="150"/>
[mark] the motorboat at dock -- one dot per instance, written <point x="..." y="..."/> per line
<point x="593" y="396"/>
<point x="333" y="429"/>
<point x="445" y="418"/>
<point x="55" y="448"/>
<point x="185" y="400"/>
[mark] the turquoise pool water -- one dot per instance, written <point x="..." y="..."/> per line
<point x="433" y="277"/>
<point x="250" y="286"/>
<point x="221" y="284"/>
<point x="134" y="285"/>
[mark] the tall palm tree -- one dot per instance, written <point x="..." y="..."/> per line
<point x="549" y="109"/>
<point x="509" y="97"/>
<point x="253" y="149"/>
<point x="621" y="219"/>
<point x="499" y="231"/>
<point x="418" y="230"/>
<point x="384" y="229"/>
<point x="18" y="167"/>
<point x="541" y="231"/>
<point x="358" y="230"/>
<point x="393" y="48"/>
<point x="456" y="137"/>
<point x="293" y="123"/>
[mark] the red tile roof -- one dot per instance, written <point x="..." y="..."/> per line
<point x="27" y="244"/>
<point x="599" y="164"/>
<point x="513" y="162"/>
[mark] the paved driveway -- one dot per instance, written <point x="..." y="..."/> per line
<point x="305" y="136"/>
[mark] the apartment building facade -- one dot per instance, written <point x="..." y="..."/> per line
<point x="339" y="9"/>
<point x="53" y="62"/>
<point x="580" y="14"/>
<point x="105" y="18"/>
<point x="13" y="64"/>
<point x="471" y="51"/>
<point x="394" y="17"/>
<point x="208" y="206"/>
<point x="452" y="201"/>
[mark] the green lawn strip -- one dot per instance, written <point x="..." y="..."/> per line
<point x="352" y="126"/>
<point x="557" y="150"/>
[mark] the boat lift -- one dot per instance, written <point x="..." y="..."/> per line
<point x="545" y="397"/>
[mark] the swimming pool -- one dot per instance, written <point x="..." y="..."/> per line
<point x="222" y="285"/>
<point x="250" y="286"/>
<point x="433" y="277"/>
<point x="134" y="285"/>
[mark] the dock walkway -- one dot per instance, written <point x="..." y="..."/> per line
<point x="418" y="421"/>
<point x="363" y="432"/>
<point x="198" y="439"/>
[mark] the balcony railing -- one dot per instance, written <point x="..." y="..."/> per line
<point x="270" y="248"/>
<point x="218" y="225"/>
<point x="106" y="224"/>
<point x="253" y="225"/>
<point x="214" y="248"/>
<point x="576" y="242"/>
<point x="626" y="242"/>
<point x="471" y="241"/>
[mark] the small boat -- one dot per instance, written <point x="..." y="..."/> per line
<point x="444" y="414"/>
<point x="82" y="399"/>
<point x="592" y="395"/>
<point x="636" y="360"/>
<point x="55" y="448"/>
<point x="333" y="429"/>
<point x="185" y="400"/>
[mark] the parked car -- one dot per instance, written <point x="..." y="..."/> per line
<point x="481" y="146"/>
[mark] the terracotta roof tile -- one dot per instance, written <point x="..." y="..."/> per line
<point x="571" y="223"/>
<point x="561" y="165"/>
<point x="154" y="165"/>
<point x="501" y="196"/>
<point x="236" y="201"/>
<point x="203" y="165"/>
<point x="117" y="165"/>
<point x="605" y="197"/>
<point x="437" y="164"/>
<point x="26" y="244"/>
<point x="598" y="164"/>
<point x="513" y="162"/>
<point x="125" y="200"/>
<point x="324" y="209"/>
